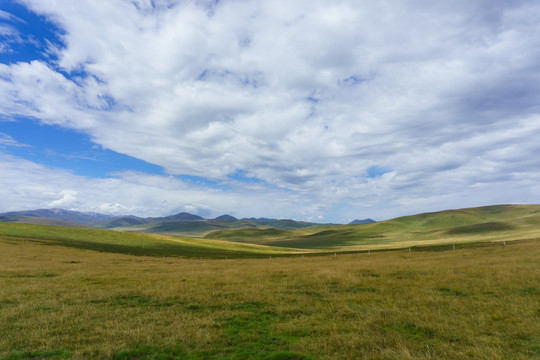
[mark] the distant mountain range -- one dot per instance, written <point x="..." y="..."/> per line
<point x="182" y="223"/>
<point x="365" y="221"/>
<point x="57" y="214"/>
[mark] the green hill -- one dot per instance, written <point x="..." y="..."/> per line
<point x="132" y="243"/>
<point x="450" y="226"/>
<point x="200" y="227"/>
<point x="255" y="236"/>
<point x="249" y="239"/>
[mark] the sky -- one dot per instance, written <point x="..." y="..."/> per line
<point x="314" y="110"/>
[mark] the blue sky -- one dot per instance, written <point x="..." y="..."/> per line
<point x="25" y="34"/>
<point x="307" y="110"/>
<point x="58" y="147"/>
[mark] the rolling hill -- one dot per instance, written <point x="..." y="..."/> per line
<point x="227" y="236"/>
<point x="133" y="243"/>
<point x="450" y="226"/>
<point x="199" y="227"/>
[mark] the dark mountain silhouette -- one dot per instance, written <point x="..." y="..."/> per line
<point x="181" y="216"/>
<point x="365" y="221"/>
<point x="226" y="217"/>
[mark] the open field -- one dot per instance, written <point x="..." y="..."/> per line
<point x="79" y="293"/>
<point x="60" y="302"/>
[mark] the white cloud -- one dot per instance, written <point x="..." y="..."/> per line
<point x="6" y="140"/>
<point x="8" y="35"/>
<point x="10" y="17"/>
<point x="306" y="96"/>
<point x="27" y="185"/>
<point x="68" y="200"/>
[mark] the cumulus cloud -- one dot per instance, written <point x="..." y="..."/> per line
<point x="27" y="185"/>
<point x="304" y="97"/>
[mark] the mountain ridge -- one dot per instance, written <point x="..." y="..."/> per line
<point x="450" y="222"/>
<point x="364" y="221"/>
<point x="60" y="214"/>
<point x="181" y="223"/>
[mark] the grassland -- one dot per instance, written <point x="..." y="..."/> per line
<point x="491" y="223"/>
<point x="469" y="289"/>
<point x="134" y="243"/>
<point x="59" y="302"/>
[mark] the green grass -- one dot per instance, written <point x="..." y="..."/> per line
<point x="132" y="243"/>
<point x="185" y="227"/>
<point x="431" y="230"/>
<point x="481" y="228"/>
<point x="199" y="228"/>
<point x="249" y="235"/>
<point x="492" y="223"/>
<point x="59" y="302"/>
<point x="47" y="354"/>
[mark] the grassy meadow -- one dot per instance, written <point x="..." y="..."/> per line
<point x="135" y="243"/>
<point x="73" y="302"/>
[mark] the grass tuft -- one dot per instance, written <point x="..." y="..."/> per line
<point x="450" y="292"/>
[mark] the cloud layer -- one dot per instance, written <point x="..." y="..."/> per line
<point x="296" y="103"/>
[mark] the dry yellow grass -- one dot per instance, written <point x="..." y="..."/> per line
<point x="471" y="303"/>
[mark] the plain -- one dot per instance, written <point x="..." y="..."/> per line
<point x="70" y="302"/>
